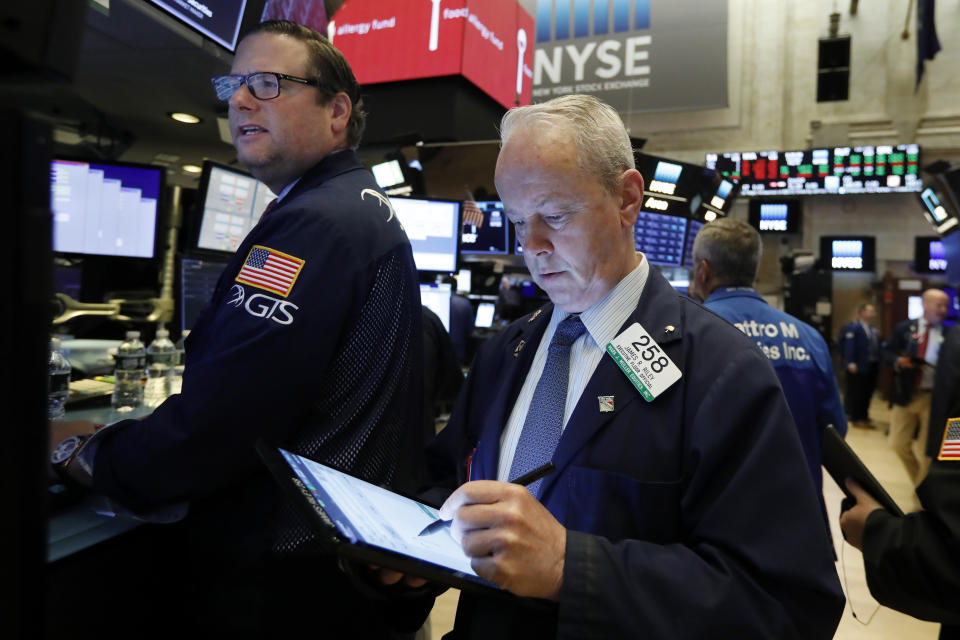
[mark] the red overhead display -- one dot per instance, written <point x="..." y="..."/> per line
<point x="489" y="42"/>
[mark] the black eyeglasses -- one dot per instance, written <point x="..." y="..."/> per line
<point x="263" y="85"/>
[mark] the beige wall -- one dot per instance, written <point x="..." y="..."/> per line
<point x="772" y="60"/>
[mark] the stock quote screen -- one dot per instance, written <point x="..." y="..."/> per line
<point x="840" y="170"/>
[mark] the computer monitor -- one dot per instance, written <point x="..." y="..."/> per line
<point x="232" y="202"/>
<point x="492" y="237"/>
<point x="485" y="312"/>
<point x="198" y="279"/>
<point x="693" y="228"/>
<point x="105" y="208"/>
<point x="436" y="297"/>
<point x="775" y="216"/>
<point x="929" y="255"/>
<point x="848" y="253"/>
<point x="220" y="21"/>
<point x="937" y="213"/>
<point x="388" y="174"/>
<point x="433" y="227"/>
<point x="660" y="237"/>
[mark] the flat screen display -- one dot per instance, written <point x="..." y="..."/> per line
<point x="198" y="279"/>
<point x="485" y="313"/>
<point x="693" y="228"/>
<point x="848" y="253"/>
<point x="233" y="202"/>
<point x="775" y="216"/>
<point x="936" y="212"/>
<point x="433" y="227"/>
<point x="105" y="209"/>
<point x="436" y="297"/>
<point x="838" y="170"/>
<point x="218" y="20"/>
<point x="388" y="174"/>
<point x="492" y="236"/>
<point x="660" y="237"/>
<point x="929" y="255"/>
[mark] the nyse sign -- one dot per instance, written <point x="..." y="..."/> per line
<point x="637" y="55"/>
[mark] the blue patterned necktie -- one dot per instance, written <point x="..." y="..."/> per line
<point x="544" y="422"/>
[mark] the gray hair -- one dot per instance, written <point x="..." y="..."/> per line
<point x="733" y="249"/>
<point x="603" y="145"/>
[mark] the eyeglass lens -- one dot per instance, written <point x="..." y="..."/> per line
<point x="263" y="86"/>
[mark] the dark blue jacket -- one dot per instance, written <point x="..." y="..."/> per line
<point x="801" y="359"/>
<point x="856" y="346"/>
<point x="903" y="342"/>
<point x="690" y="516"/>
<point x="330" y="369"/>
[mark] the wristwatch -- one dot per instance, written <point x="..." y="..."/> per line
<point x="64" y="453"/>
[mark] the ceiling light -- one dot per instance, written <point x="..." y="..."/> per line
<point x="192" y="168"/>
<point x="185" y="118"/>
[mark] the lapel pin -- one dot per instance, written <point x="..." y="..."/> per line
<point x="516" y="352"/>
<point x="534" y="316"/>
<point x="606" y="403"/>
<point x="669" y="329"/>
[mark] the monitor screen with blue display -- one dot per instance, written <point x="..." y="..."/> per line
<point x="936" y="212"/>
<point x="848" y="253"/>
<point x="693" y="229"/>
<point x="929" y="255"/>
<point x="491" y="236"/>
<point x="105" y="209"/>
<point x="775" y="216"/>
<point x="660" y="237"/>
<point x="433" y="227"/>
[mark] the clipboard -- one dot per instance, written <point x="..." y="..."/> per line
<point x="841" y="463"/>
<point x="369" y="524"/>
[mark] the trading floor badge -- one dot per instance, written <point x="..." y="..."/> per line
<point x="606" y="403"/>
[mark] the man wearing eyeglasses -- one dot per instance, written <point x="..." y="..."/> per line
<point x="311" y="341"/>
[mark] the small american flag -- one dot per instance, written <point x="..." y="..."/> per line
<point x="950" y="449"/>
<point x="269" y="269"/>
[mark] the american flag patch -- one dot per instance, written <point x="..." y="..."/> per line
<point x="270" y="269"/>
<point x="950" y="449"/>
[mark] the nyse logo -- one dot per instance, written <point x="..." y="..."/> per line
<point x="605" y="53"/>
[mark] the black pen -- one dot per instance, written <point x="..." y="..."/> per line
<point x="524" y="480"/>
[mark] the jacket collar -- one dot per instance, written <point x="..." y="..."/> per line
<point x="332" y="165"/>
<point x="658" y="311"/>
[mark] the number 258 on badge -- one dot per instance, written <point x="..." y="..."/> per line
<point x="643" y="361"/>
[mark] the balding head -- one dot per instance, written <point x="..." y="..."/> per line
<point x="935" y="304"/>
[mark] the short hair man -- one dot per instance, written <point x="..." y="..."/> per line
<point x="726" y="257"/>
<point x="666" y="514"/>
<point x="311" y="341"/>
<point x="912" y="350"/>
<point x="861" y="359"/>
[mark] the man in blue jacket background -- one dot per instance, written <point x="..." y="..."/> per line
<point x="726" y="256"/>
<point x="860" y="347"/>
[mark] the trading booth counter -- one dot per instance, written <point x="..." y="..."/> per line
<point x="76" y="527"/>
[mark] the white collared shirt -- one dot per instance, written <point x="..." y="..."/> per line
<point x="602" y="322"/>
<point x="934" y="339"/>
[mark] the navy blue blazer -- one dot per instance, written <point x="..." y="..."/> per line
<point x="856" y="346"/>
<point x="690" y="516"/>
<point x="330" y="367"/>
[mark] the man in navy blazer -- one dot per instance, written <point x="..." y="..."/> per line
<point x="861" y="356"/>
<point x="679" y="508"/>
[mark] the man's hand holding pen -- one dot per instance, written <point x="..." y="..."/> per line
<point x="511" y="539"/>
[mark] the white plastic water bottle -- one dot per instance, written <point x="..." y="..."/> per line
<point x="161" y="357"/>
<point x="176" y="371"/>
<point x="58" y="385"/>
<point x="130" y="359"/>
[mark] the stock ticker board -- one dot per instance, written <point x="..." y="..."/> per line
<point x="840" y="170"/>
